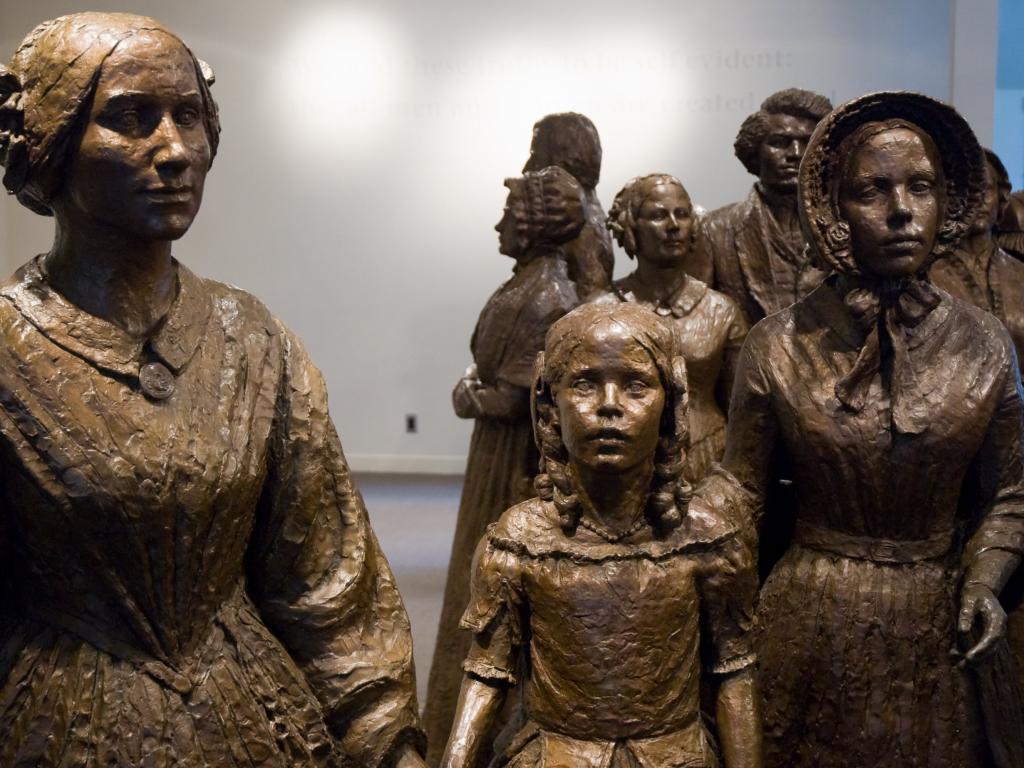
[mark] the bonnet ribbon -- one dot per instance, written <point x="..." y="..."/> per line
<point x="887" y="309"/>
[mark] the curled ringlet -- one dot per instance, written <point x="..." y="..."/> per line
<point x="669" y="495"/>
<point x="622" y="216"/>
<point x="792" y="101"/>
<point x="47" y="93"/>
<point x="548" y="206"/>
<point x="824" y="161"/>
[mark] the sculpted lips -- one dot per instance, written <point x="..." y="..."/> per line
<point x="902" y="243"/>
<point x="608" y="435"/>
<point x="169" y="193"/>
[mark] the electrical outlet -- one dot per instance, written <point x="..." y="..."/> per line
<point x="410" y="423"/>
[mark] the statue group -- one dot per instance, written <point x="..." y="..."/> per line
<point x="758" y="503"/>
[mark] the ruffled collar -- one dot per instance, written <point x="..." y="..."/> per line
<point x="102" y="343"/>
<point x="681" y="303"/>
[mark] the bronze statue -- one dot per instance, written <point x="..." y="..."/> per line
<point x="654" y="221"/>
<point x="755" y="253"/>
<point x="1010" y="229"/>
<point x="570" y="141"/>
<point x="545" y="210"/>
<point x="189" y="574"/>
<point x="619" y="592"/>
<point x="898" y="409"/>
<point x="981" y="273"/>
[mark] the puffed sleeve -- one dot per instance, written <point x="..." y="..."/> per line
<point x="494" y="615"/>
<point x="321" y="582"/>
<point x="727" y="588"/>
<point x="998" y="475"/>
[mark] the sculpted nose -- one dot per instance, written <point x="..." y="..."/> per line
<point x="899" y="206"/>
<point x="610" y="404"/>
<point x="171" y="153"/>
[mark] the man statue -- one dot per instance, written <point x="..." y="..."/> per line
<point x="754" y="251"/>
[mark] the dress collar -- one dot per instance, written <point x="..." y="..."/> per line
<point x="105" y="345"/>
<point x="679" y="304"/>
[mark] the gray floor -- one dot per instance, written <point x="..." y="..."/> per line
<point x="414" y="517"/>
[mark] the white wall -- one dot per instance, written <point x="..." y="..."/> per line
<point x="365" y="144"/>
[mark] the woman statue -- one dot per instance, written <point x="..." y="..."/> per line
<point x="981" y="273"/>
<point x="570" y="141"/>
<point x="653" y="220"/>
<point x="190" y="576"/>
<point x="619" y="593"/>
<point x="899" y="411"/>
<point x="545" y="210"/>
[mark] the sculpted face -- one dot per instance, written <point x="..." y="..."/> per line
<point x="143" y="157"/>
<point x="988" y="215"/>
<point x="891" y="196"/>
<point x="781" y="150"/>
<point x="664" y="226"/>
<point x="610" y="401"/>
<point x="507" y="227"/>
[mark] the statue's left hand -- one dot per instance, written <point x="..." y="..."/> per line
<point x="978" y="604"/>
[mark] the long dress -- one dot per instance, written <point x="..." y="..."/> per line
<point x="502" y="461"/>
<point x="856" y="623"/>
<point x="616" y="637"/>
<point x="191" y="579"/>
<point x="993" y="280"/>
<point x="709" y="329"/>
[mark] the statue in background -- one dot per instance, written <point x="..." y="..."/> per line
<point x="900" y="410"/>
<point x="654" y="221"/>
<point x="1010" y="228"/>
<point x="981" y="273"/>
<point x="618" y="593"/>
<point x="189" y="576"/>
<point x="755" y="252"/>
<point x="570" y="141"/>
<point x="546" y="209"/>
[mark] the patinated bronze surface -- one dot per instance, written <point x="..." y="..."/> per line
<point x="754" y="250"/>
<point x="570" y="141"/>
<point x="190" y="576"/>
<point x="880" y="636"/>
<point x="654" y="221"/>
<point x="545" y="210"/>
<point x="1010" y="229"/>
<point x="981" y="273"/>
<point x="620" y="592"/>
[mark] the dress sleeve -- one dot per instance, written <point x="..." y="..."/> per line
<point x="494" y="615"/>
<point x="999" y="476"/>
<point x="727" y="589"/>
<point x="737" y="488"/>
<point x="321" y="582"/>
<point x="738" y="329"/>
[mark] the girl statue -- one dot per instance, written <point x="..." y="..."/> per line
<point x="545" y="210"/>
<point x="189" y="574"/>
<point x="653" y="220"/>
<point x="616" y="592"/>
<point x="899" y="411"/>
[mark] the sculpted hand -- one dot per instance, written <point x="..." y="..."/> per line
<point x="978" y="604"/>
<point x="464" y="396"/>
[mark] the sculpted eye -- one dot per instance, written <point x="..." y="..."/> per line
<point x="187" y="116"/>
<point x="128" y="120"/>
<point x="584" y="386"/>
<point x="922" y="187"/>
<point x="637" y="387"/>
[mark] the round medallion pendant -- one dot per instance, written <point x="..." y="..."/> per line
<point x="156" y="380"/>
